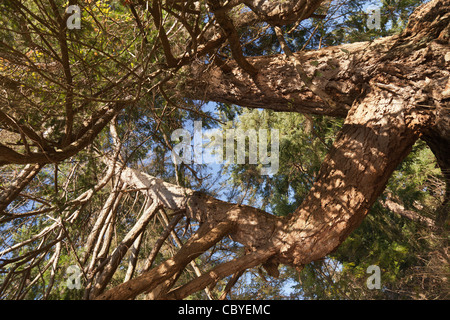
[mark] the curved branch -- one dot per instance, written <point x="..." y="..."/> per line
<point x="235" y="266"/>
<point x="205" y="238"/>
<point x="22" y="180"/>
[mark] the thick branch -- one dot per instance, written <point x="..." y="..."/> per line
<point x="378" y="134"/>
<point x="84" y="137"/>
<point x="233" y="38"/>
<point x="341" y="71"/>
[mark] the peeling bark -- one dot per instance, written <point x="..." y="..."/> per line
<point x="79" y="141"/>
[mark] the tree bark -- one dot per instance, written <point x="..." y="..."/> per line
<point x="390" y="92"/>
<point x="80" y="140"/>
<point x="419" y="54"/>
<point x="377" y="135"/>
<point x="206" y="237"/>
<point x="21" y="181"/>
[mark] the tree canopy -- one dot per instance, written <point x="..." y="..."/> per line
<point x="94" y="204"/>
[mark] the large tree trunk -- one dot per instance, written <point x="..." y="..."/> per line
<point x="418" y="59"/>
<point x="390" y="92"/>
<point x="378" y="133"/>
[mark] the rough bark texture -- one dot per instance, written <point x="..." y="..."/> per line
<point x="377" y="135"/>
<point x="414" y="63"/>
<point x="391" y="93"/>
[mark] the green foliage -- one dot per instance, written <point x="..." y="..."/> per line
<point x="303" y="145"/>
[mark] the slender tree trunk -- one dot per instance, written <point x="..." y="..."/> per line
<point x="206" y="237"/>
